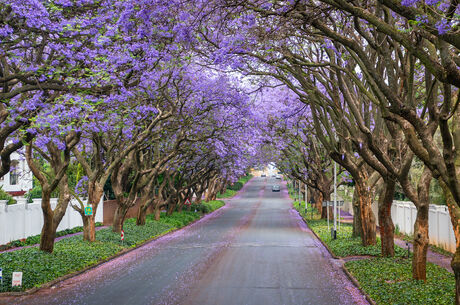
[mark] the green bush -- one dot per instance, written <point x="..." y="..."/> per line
<point x="5" y="196"/>
<point x="34" y="193"/>
<point x="389" y="281"/>
<point x="236" y="186"/>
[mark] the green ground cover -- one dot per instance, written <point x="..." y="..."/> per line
<point x="346" y="244"/>
<point x="73" y="253"/>
<point x="389" y="281"/>
<point x="33" y="240"/>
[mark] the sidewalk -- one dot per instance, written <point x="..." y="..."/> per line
<point x="432" y="257"/>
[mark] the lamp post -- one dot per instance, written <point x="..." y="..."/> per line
<point x="335" y="200"/>
<point x="306" y="199"/>
<point x="299" y="197"/>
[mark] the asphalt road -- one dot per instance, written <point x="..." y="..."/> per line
<point x="255" y="250"/>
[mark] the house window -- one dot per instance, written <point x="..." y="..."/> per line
<point x="14" y="172"/>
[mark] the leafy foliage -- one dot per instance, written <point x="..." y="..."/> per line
<point x="5" y="196"/>
<point x="389" y="281"/>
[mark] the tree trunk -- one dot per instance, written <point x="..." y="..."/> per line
<point x="369" y="236"/>
<point x="357" y="227"/>
<point x="421" y="233"/>
<point x="385" y="222"/>
<point x="48" y="233"/>
<point x="171" y="208"/>
<point x="198" y="194"/>
<point x="454" y="212"/>
<point x="119" y="218"/>
<point x="95" y="193"/>
<point x="89" y="228"/>
<point x="157" y="212"/>
<point x="52" y="218"/>
<point x="421" y="240"/>
<point x="141" y="215"/>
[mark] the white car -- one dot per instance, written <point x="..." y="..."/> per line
<point x="275" y="188"/>
<point x="278" y="177"/>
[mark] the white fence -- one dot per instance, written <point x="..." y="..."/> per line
<point x="441" y="232"/>
<point x="22" y="219"/>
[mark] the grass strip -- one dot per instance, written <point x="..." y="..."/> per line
<point x="73" y="253"/>
<point x="389" y="281"/>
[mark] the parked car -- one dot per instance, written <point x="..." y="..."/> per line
<point x="275" y="188"/>
<point x="278" y="177"/>
<point x="263" y="175"/>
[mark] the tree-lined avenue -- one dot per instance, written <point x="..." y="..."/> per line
<point x="256" y="250"/>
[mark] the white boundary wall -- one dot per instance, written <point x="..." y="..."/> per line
<point x="22" y="219"/>
<point x="440" y="228"/>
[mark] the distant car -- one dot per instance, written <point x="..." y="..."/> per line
<point x="275" y="188"/>
<point x="263" y="175"/>
<point x="273" y="175"/>
<point x="278" y="177"/>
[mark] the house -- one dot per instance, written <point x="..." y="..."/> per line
<point x="19" y="180"/>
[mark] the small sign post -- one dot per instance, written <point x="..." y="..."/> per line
<point x="122" y="236"/>
<point x="88" y="211"/>
<point x="1" y="276"/>
<point x="187" y="202"/>
<point x="17" y="279"/>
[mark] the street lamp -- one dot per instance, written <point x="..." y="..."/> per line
<point x="335" y="200"/>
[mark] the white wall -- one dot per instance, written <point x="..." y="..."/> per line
<point x="440" y="228"/>
<point x="23" y="219"/>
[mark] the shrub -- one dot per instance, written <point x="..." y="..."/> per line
<point x="34" y="193"/>
<point x="5" y="196"/>
<point x="236" y="186"/>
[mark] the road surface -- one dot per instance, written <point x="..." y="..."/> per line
<point x="255" y="250"/>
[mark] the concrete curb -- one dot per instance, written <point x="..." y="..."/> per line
<point x="122" y="252"/>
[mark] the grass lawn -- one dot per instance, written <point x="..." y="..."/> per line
<point x="73" y="253"/>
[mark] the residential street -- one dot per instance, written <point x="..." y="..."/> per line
<point x="255" y="250"/>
